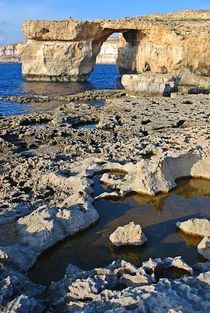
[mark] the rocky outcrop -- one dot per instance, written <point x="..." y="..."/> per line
<point x="198" y="227"/>
<point x="47" y="225"/>
<point x="47" y="161"/>
<point x="67" y="50"/>
<point x="120" y="286"/>
<point x="160" y="172"/>
<point x="9" y="54"/>
<point x="61" y="50"/>
<point x="128" y="235"/>
<point x="18" y="293"/>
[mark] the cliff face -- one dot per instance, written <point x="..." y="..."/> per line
<point x="9" y="54"/>
<point x="61" y="50"/>
<point x="169" y="45"/>
<point x="164" y="43"/>
<point x="109" y="52"/>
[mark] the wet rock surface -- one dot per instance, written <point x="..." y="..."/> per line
<point x="46" y="191"/>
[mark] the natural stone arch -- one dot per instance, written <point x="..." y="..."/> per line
<point x="47" y="56"/>
<point x="162" y="43"/>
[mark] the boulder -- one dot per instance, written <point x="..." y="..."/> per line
<point x="190" y="79"/>
<point x="150" y="83"/>
<point x="204" y="248"/>
<point x="195" y="226"/>
<point x="128" y="235"/>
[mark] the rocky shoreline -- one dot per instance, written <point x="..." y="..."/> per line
<point x="83" y="96"/>
<point x="48" y="161"/>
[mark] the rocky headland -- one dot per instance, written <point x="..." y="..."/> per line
<point x="174" y="44"/>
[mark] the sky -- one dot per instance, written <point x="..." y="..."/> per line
<point x="14" y="12"/>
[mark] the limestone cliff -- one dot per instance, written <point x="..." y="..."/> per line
<point x="109" y="52"/>
<point x="9" y="54"/>
<point x="162" y="43"/>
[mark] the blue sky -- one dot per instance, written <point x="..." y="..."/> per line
<point x="14" y="12"/>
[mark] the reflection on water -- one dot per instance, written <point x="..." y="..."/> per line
<point x="12" y="84"/>
<point x="157" y="215"/>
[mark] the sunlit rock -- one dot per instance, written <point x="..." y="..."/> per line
<point x="124" y="287"/>
<point x="46" y="226"/>
<point x="128" y="235"/>
<point x="163" y="43"/>
<point x="195" y="226"/>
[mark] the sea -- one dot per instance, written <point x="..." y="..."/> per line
<point x="104" y="76"/>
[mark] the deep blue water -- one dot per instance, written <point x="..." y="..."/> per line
<point x="12" y="84"/>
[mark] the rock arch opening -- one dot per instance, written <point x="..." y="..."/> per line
<point x="67" y="50"/>
<point x="120" y="48"/>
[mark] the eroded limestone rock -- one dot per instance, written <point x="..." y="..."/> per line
<point x="167" y="43"/>
<point x="128" y="235"/>
<point x="58" y="61"/>
<point x="159" y="173"/>
<point x="119" y="286"/>
<point x="124" y="287"/>
<point x="195" y="226"/>
<point x="46" y="226"/>
<point x="18" y="293"/>
<point x="204" y="247"/>
<point x="47" y="163"/>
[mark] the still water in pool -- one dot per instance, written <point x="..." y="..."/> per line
<point x="157" y="216"/>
